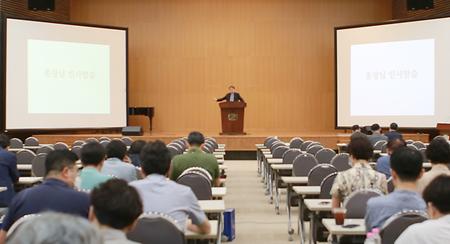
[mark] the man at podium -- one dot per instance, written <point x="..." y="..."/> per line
<point x="232" y="96"/>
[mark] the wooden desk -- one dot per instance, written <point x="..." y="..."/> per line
<point x="189" y="235"/>
<point x="303" y="192"/>
<point x="219" y="191"/>
<point x="339" y="230"/>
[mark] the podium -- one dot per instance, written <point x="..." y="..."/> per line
<point x="232" y="114"/>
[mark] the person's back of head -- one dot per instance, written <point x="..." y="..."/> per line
<point x="196" y="138"/>
<point x="59" y="161"/>
<point x="49" y="228"/>
<point x="4" y="141"/>
<point x="375" y="128"/>
<point x="360" y="148"/>
<point x="438" y="151"/>
<point x="116" y="149"/>
<point x="406" y="164"/>
<point x="437" y="196"/>
<point x="155" y="158"/>
<point x="355" y="128"/>
<point x="136" y="147"/>
<point x="92" y="153"/>
<point x="393" y="126"/>
<point x="116" y="204"/>
<point x="393" y="145"/>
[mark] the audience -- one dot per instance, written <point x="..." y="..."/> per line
<point x="116" y="153"/>
<point x="438" y="152"/>
<point x="356" y="128"/>
<point x="195" y="157"/>
<point x="376" y="134"/>
<point x="406" y="167"/>
<point x="8" y="171"/>
<point x="437" y="229"/>
<point x="360" y="176"/>
<point x="383" y="164"/>
<point x="56" y="193"/>
<point x="162" y="195"/>
<point x="116" y="207"/>
<point x="52" y="228"/>
<point x="92" y="157"/>
<point x="134" y="152"/>
<point x="393" y="134"/>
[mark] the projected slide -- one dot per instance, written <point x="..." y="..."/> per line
<point x="58" y="84"/>
<point x="404" y="69"/>
<point x="393" y="72"/>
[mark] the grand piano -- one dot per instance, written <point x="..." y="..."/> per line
<point x="146" y="111"/>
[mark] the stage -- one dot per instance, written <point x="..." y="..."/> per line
<point x="233" y="142"/>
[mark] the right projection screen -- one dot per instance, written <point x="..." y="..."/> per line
<point x="394" y="72"/>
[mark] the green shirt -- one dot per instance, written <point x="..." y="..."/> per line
<point x="91" y="177"/>
<point x="195" y="157"/>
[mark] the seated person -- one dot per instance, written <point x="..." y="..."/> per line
<point x="437" y="229"/>
<point x="376" y="134"/>
<point x="92" y="157"/>
<point x="195" y="157"/>
<point x="393" y="134"/>
<point x="115" y="165"/>
<point x="134" y="151"/>
<point x="116" y="207"/>
<point x="438" y="152"/>
<point x="360" y="176"/>
<point x="383" y="162"/>
<point x="8" y="171"/>
<point x="162" y="195"/>
<point x="406" y="164"/>
<point x="56" y="193"/>
<point x="51" y="227"/>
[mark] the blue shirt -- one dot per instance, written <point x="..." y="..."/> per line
<point x="384" y="165"/>
<point x="379" y="209"/>
<point x="52" y="195"/>
<point x="119" y="169"/>
<point x="8" y="176"/>
<point x="90" y="178"/>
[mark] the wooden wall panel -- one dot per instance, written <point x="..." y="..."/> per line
<point x="441" y="8"/>
<point x="279" y="54"/>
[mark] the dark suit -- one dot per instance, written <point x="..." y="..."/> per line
<point x="237" y="98"/>
<point x="8" y="176"/>
<point x="392" y="135"/>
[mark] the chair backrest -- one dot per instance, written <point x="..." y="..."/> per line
<point x="419" y="144"/>
<point x="279" y="151"/>
<point x="198" y="182"/>
<point x="379" y="144"/>
<point x="304" y="145"/>
<point x="78" y="143"/>
<point x="325" y="186"/>
<point x="356" y="202"/>
<point x="315" y="143"/>
<point x="409" y="141"/>
<point x="156" y="228"/>
<point x="314" y="149"/>
<point x="412" y="146"/>
<point x="396" y="224"/>
<point x="25" y="156"/>
<point x="19" y="222"/>
<point x="390" y="185"/>
<point x="205" y="148"/>
<point x="325" y="155"/>
<point x="424" y="154"/>
<point x="341" y="161"/>
<point x="302" y="164"/>
<point x="275" y="145"/>
<point x="15" y="143"/>
<point x="173" y="151"/>
<point x="179" y="147"/>
<point x="319" y="172"/>
<point x="91" y="139"/>
<point x="61" y="146"/>
<point x="290" y="155"/>
<point x="104" y="143"/>
<point x="31" y="141"/>
<point x="212" y="143"/>
<point x="38" y="165"/>
<point x="296" y="142"/>
<point x="45" y="149"/>
<point x="104" y="138"/>
<point x="180" y="144"/>
<point x="127" y="140"/>
<point x="384" y="148"/>
<point x="76" y="150"/>
<point x="269" y="141"/>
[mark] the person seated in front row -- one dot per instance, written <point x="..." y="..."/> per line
<point x="116" y="207"/>
<point x="116" y="163"/>
<point x="195" y="157"/>
<point x="56" y="193"/>
<point x="437" y="229"/>
<point x="135" y="151"/>
<point x="360" y="176"/>
<point x="162" y="195"/>
<point x="383" y="162"/>
<point x="438" y="152"/>
<point x="8" y="171"/>
<point x="393" y="134"/>
<point x="92" y="158"/>
<point x="406" y="168"/>
<point x="376" y="134"/>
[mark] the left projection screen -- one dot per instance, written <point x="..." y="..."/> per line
<point x="65" y="76"/>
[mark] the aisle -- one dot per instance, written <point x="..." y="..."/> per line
<point x="256" y="221"/>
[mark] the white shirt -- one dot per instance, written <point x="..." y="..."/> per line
<point x="429" y="232"/>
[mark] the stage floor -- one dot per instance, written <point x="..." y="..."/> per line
<point x="233" y="142"/>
